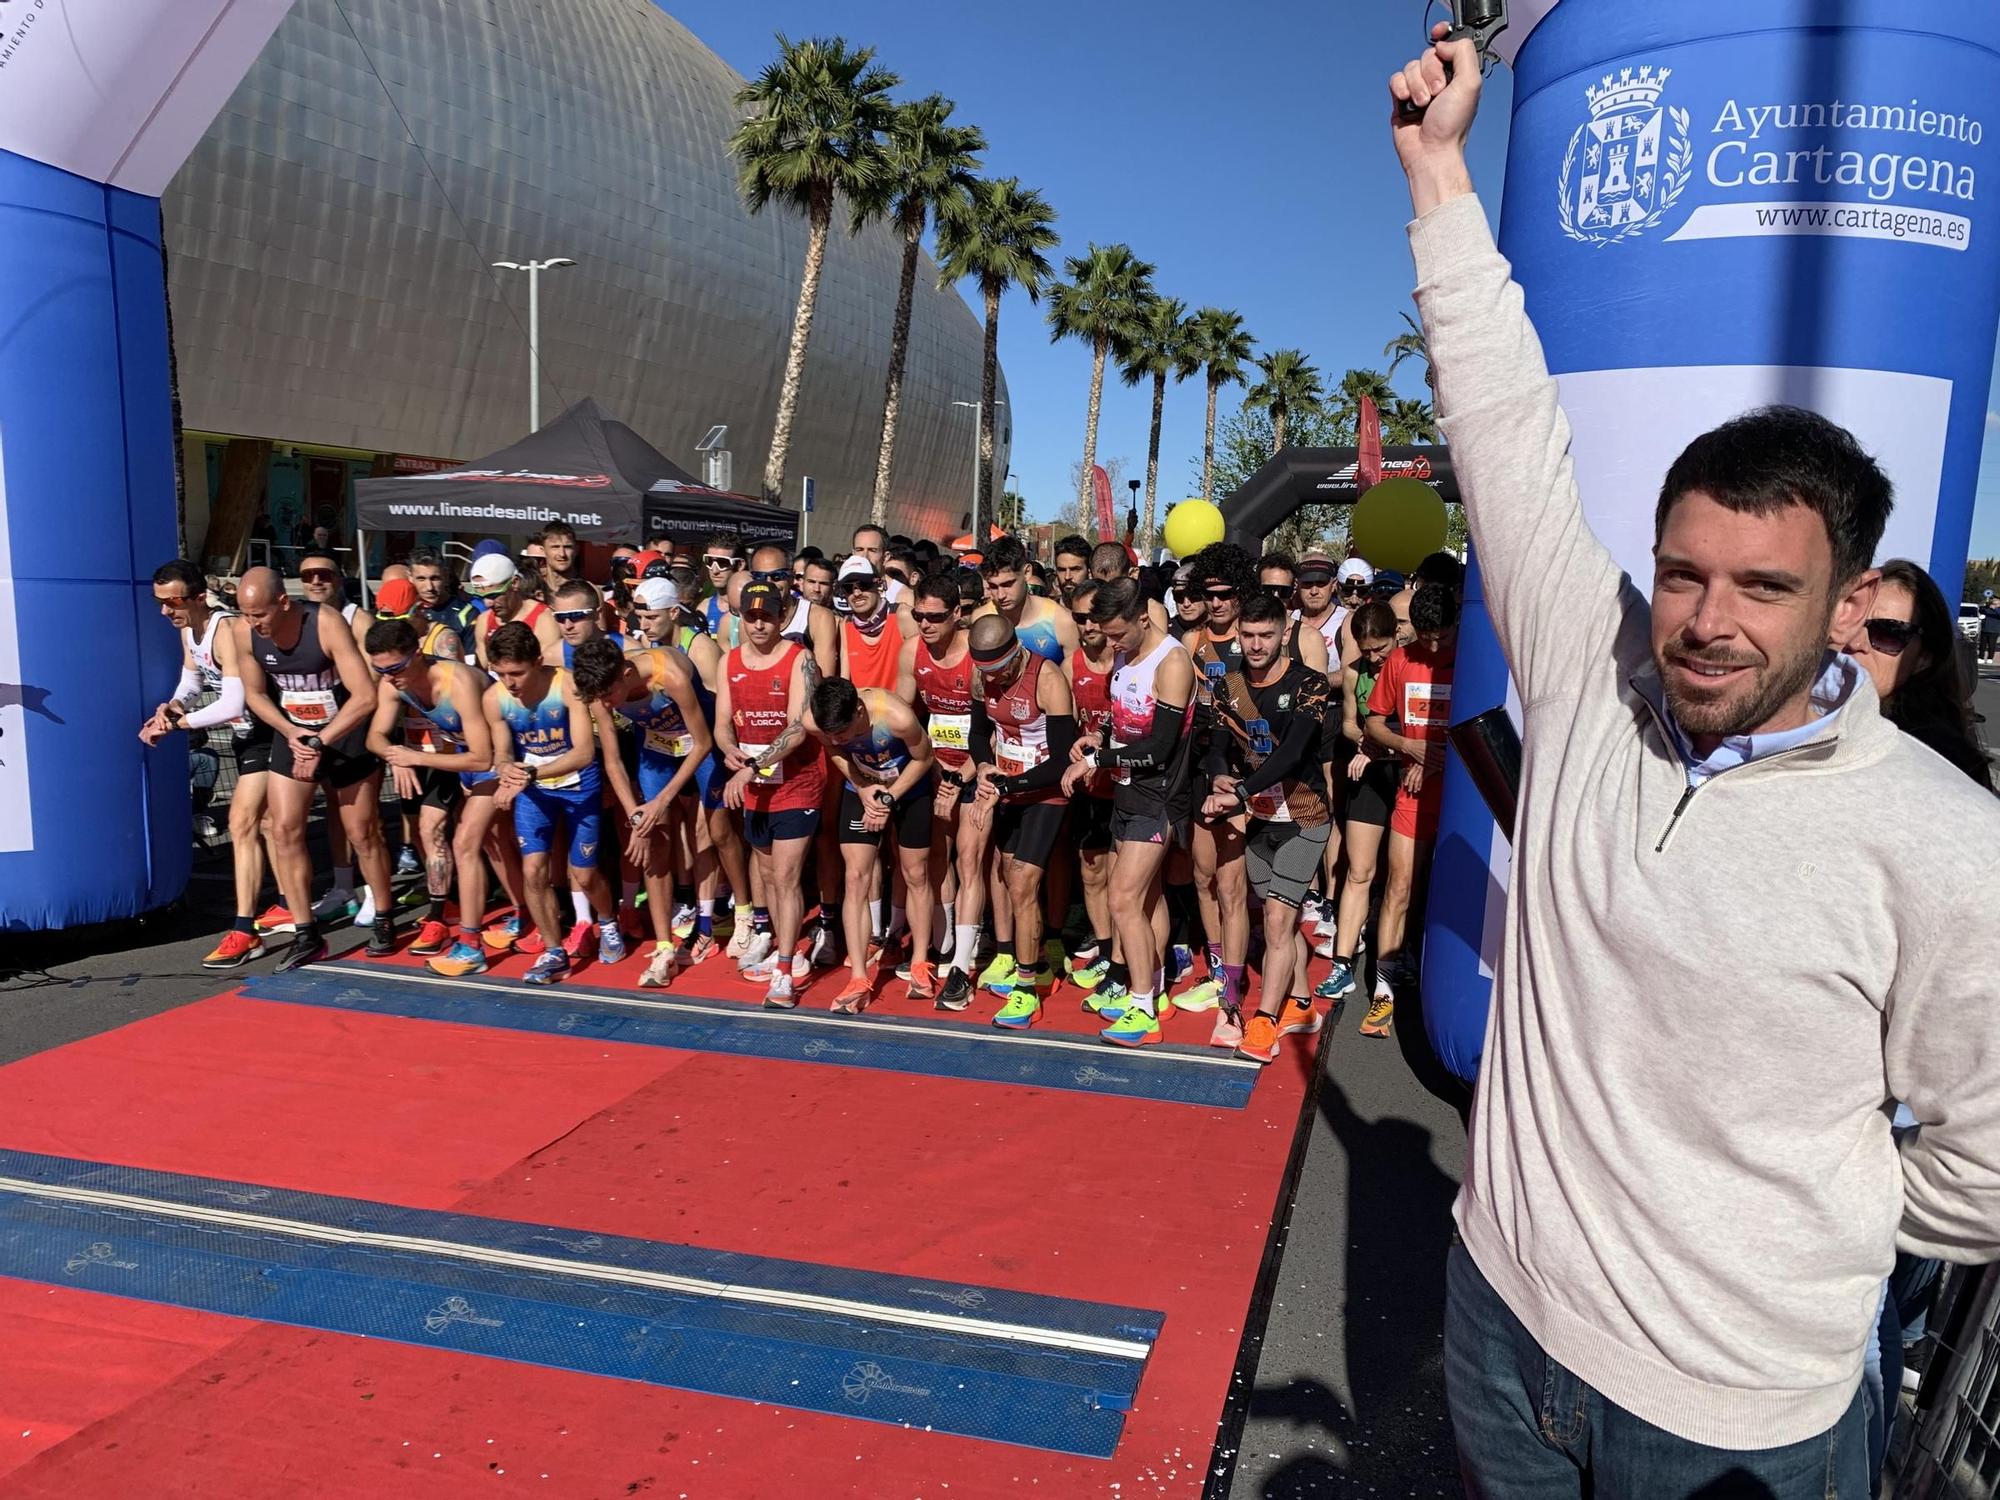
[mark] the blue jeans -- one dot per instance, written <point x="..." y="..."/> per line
<point x="1528" y="1429"/>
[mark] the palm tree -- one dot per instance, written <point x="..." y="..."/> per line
<point x="1290" y="384"/>
<point x="813" y="136"/>
<point x="930" y="164"/>
<point x="1220" y="342"/>
<point x="1353" y="386"/>
<point x="1000" y="237"/>
<point x="1407" y="421"/>
<point x="1159" y="348"/>
<point x="1101" y="304"/>
<point x="1410" y="344"/>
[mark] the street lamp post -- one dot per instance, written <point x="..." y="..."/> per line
<point x="978" y="409"/>
<point x="534" y="268"/>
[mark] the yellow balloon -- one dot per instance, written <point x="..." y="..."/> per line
<point x="1191" y="526"/>
<point x="1397" y="524"/>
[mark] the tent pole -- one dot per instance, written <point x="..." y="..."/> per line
<point x="361" y="562"/>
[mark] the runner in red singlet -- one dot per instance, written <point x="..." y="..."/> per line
<point x="872" y="635"/>
<point x="1090" y="667"/>
<point x="496" y="580"/>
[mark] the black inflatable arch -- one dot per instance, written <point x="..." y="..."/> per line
<point x="1323" y="476"/>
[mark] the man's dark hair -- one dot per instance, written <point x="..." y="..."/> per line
<point x="1224" y="563"/>
<point x="318" y="554"/>
<point x="1441" y="567"/>
<point x="897" y="539"/>
<point x="1119" y="599"/>
<point x="1261" y="609"/>
<point x="941" y="585"/>
<point x="728" y="541"/>
<point x="1005" y="556"/>
<point x="1434" y="606"/>
<point x="810" y="554"/>
<point x="595" y="667"/>
<point x="1038" y="570"/>
<point x="971" y="585"/>
<point x="1110" y="554"/>
<point x="904" y="557"/>
<point x="514" y="642"/>
<point x="390" y="635"/>
<point x="1374" y="621"/>
<point x="834" y="703"/>
<point x="1776" y="456"/>
<point x="183" y="572"/>
<point x="430" y="557"/>
<point x="826" y="563"/>
<point x="1086" y="592"/>
<point x="557" y="528"/>
<point x="578" y="588"/>
<point x="1284" y="561"/>
<point x="1073" y="546"/>
<point x="926" y="549"/>
<point x="863" y="529"/>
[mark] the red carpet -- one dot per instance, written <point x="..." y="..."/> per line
<point x="1125" y="1201"/>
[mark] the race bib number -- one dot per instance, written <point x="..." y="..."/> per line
<point x="665" y="742"/>
<point x="558" y="783"/>
<point x="773" y="777"/>
<point x="1269" y="806"/>
<point x="1009" y="765"/>
<point x="951" y="731"/>
<point x="1426" y="708"/>
<point x="308" y="706"/>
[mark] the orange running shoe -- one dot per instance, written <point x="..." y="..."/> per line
<point x="277" y="918"/>
<point x="854" y="999"/>
<point x="432" y="937"/>
<point x="235" y="950"/>
<point x="1260" y="1039"/>
<point x="923" y="981"/>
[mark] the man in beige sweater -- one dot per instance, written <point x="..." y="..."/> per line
<point x="1744" y="917"/>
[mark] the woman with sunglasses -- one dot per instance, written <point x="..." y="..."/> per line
<point x="1190" y="608"/>
<point x="1909" y="644"/>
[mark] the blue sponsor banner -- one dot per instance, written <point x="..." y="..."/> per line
<point x="1713" y="207"/>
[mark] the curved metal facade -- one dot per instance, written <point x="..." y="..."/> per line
<point x="328" y="288"/>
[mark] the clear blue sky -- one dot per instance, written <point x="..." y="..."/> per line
<point x="1247" y="159"/>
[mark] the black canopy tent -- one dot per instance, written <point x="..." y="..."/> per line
<point x="585" y="468"/>
<point x="1323" y="476"/>
<point x="681" y="512"/>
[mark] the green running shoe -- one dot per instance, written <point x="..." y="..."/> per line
<point x="998" y="976"/>
<point x="1133" y="1029"/>
<point x="1088" y="976"/>
<point x="1022" y="1009"/>
<point x="1204" y="995"/>
<point x="1108" y="1000"/>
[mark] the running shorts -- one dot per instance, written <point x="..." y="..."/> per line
<point x="1092" y="824"/>
<point x="1283" y="860"/>
<point x="439" y="789"/>
<point x="342" y="763"/>
<point x="764" y="827"/>
<point x="1417" y="817"/>
<point x="1148" y="828"/>
<point x="656" y="770"/>
<point x="539" y="812"/>
<point x="1370" y="799"/>
<point x="1028" y="831"/>
<point x="710" y="777"/>
<point x="910" y="817"/>
<point x="253" y="750"/>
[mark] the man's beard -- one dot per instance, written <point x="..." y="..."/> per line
<point x="1739" y="710"/>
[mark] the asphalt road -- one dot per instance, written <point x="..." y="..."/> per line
<point x="1348" y="1395"/>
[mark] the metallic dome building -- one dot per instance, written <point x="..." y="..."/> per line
<point x="332" y="288"/>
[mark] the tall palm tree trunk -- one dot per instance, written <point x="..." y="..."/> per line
<point x="899" y="354"/>
<point x="1146" y="542"/>
<point x="989" y="391"/>
<point x="1099" y="350"/>
<point x="820" y="220"/>
<point x="1208" y="445"/>
<point x="1278" y="430"/>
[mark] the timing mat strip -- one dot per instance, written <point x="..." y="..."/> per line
<point x="1011" y="1367"/>
<point x="1168" y="1074"/>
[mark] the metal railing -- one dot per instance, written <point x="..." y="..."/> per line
<point x="1953" y="1448"/>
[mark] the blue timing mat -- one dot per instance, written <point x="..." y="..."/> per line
<point x="1042" y="1372"/>
<point x="937" y="1049"/>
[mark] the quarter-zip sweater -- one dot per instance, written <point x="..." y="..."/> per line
<point x="1681" y="1176"/>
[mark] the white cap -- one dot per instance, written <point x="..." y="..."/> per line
<point x="657" y="593"/>
<point x="494" y="571"/>
<point x="1355" y="568"/>
<point x="857" y="566"/>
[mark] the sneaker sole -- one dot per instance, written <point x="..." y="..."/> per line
<point x="1307" y="1027"/>
<point x="1131" y="1043"/>
<point x="1263" y="1058"/>
<point x="790" y="1002"/>
<point x="234" y="963"/>
<point x="1017" y="1025"/>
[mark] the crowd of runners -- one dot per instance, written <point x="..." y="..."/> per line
<point x="981" y="775"/>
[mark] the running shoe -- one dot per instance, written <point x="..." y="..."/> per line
<point x="754" y="952"/>
<point x="998" y="976"/>
<point x="504" y="934"/>
<point x="532" y="943"/>
<point x="781" y="995"/>
<point x="1381" y="1012"/>
<point x="551" y="966"/>
<point x="765" y="970"/>
<point x="1312" y="912"/>
<point x="301" y="951"/>
<point x="1108" y="1000"/>
<point x="578" y="940"/>
<point x="432" y="937"/>
<point x="957" y="991"/>
<point x="407" y="862"/>
<point x="659" y="968"/>
<point x="411" y="897"/>
<point x="610" y="942"/>
<point x="701" y="949"/>
<point x="235" y="950"/>
<point x="1180" y="959"/>
<point x="1022" y="1010"/>
<point x="802" y="964"/>
<point x="1260" y="1040"/>
<point x="1296" y="1015"/>
<point x="922" y="979"/>
<point x="382" y="937"/>
<point x="337" y="905"/>
<point x="1326" y="944"/>
<point x="682" y="926"/>
<point x="1339" y="982"/>
<point x="1088" y="976"/>
<point x="276" y="919"/>
<point x="739" y="941"/>
<point x="854" y="999"/>
<point x="1228" y="1028"/>
<point x="1203" y="995"/>
<point x="461" y="960"/>
<point x="827" y="951"/>
<point x="1132" y="1029"/>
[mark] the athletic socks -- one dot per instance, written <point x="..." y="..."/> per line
<point x="343" y="877"/>
<point x="704" y="922"/>
<point x="1232" y="986"/>
<point x="580" y="904"/>
<point x="965" y="945"/>
<point x="1145" y="1003"/>
<point x="1213" y="953"/>
<point x="875" y="927"/>
<point x="244" y="924"/>
<point x="830" y="917"/>
<point x="759" y="917"/>
<point x="1119" y="974"/>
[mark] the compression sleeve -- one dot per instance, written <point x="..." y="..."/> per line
<point x="227" y="705"/>
<point x="1301" y="739"/>
<point x="982" y="735"/>
<point x="1157" y="748"/>
<point x="190" y="684"/>
<point x="1062" y="736"/>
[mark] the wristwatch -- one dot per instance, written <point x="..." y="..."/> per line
<point x="311" y="742"/>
